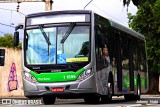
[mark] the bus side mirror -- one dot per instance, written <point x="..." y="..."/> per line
<point x="2" y="57"/>
<point x="18" y="27"/>
<point x="16" y="34"/>
<point x="16" y="38"/>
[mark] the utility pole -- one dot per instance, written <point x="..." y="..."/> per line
<point x="48" y="5"/>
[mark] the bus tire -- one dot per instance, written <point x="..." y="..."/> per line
<point x="92" y="99"/>
<point x="48" y="100"/>
<point x="108" y="98"/>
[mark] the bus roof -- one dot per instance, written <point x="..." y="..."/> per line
<point x="125" y="29"/>
<point x="60" y="12"/>
<point x="113" y="23"/>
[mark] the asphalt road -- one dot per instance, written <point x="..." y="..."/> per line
<point x="148" y="101"/>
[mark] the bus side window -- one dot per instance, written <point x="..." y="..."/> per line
<point x="102" y="57"/>
<point x="135" y="55"/>
<point x="142" y="57"/>
<point x="124" y="53"/>
<point x="98" y="54"/>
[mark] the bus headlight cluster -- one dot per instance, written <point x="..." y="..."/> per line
<point x="87" y="73"/>
<point x="29" y="77"/>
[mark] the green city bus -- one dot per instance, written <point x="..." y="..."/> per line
<point x="63" y="57"/>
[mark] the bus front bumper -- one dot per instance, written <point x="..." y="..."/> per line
<point x="73" y="87"/>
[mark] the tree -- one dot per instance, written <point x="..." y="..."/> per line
<point x="138" y="3"/>
<point x="146" y="22"/>
<point x="8" y="41"/>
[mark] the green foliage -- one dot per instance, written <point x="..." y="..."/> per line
<point x="138" y="3"/>
<point x="146" y="22"/>
<point x="8" y="41"/>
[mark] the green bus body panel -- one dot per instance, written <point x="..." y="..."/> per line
<point x="57" y="76"/>
<point x="143" y="81"/>
<point x="126" y="81"/>
<point x="135" y="81"/>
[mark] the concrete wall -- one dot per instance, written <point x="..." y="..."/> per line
<point x="11" y="56"/>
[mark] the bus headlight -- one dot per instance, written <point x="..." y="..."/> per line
<point x="29" y="77"/>
<point x="87" y="73"/>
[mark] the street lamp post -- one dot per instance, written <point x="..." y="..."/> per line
<point x="48" y="5"/>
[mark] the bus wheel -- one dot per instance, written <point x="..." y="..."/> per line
<point x="92" y="99"/>
<point x="47" y="100"/>
<point x="107" y="98"/>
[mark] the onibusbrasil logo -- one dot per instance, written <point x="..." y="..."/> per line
<point x="21" y="102"/>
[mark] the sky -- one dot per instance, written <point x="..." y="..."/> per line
<point x="112" y="9"/>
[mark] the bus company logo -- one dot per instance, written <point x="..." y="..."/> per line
<point x="36" y="68"/>
<point x="56" y="70"/>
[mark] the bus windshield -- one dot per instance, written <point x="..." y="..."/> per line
<point x="75" y="48"/>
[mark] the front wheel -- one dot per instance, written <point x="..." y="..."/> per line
<point x="47" y="100"/>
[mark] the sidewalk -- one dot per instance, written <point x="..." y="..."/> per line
<point x="150" y="95"/>
<point x="142" y="96"/>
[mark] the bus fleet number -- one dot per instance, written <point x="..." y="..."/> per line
<point x="69" y="76"/>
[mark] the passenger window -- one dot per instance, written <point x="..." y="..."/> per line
<point x="125" y="53"/>
<point x="135" y="55"/>
<point x="143" y="57"/>
<point x="102" y="54"/>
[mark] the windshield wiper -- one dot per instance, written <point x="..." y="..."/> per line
<point x="68" y="32"/>
<point x="45" y="35"/>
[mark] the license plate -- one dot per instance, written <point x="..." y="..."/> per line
<point x="59" y="89"/>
